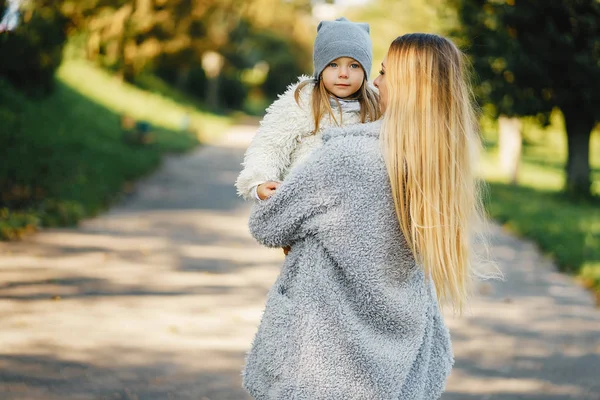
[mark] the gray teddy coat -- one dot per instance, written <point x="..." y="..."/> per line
<point x="351" y="316"/>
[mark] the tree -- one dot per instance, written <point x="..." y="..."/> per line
<point x="172" y="38"/>
<point x="31" y="53"/>
<point x="391" y="18"/>
<point x="3" y="7"/>
<point x="535" y="55"/>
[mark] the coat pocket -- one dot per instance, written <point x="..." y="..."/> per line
<point x="289" y="271"/>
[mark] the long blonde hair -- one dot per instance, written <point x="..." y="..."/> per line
<point x="320" y="105"/>
<point x="429" y="137"/>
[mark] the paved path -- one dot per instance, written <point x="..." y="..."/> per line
<point x="159" y="299"/>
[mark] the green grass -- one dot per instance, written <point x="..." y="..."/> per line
<point x="65" y="157"/>
<point x="567" y="230"/>
<point x="162" y="110"/>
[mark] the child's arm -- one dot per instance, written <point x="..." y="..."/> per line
<point x="286" y="217"/>
<point x="269" y="155"/>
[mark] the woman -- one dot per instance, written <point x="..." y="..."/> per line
<point x="378" y="221"/>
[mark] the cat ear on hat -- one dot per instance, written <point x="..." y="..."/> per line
<point x="322" y="24"/>
<point x="364" y="26"/>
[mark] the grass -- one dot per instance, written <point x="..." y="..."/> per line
<point x="68" y="152"/>
<point x="162" y="110"/>
<point x="65" y="157"/>
<point x="568" y="231"/>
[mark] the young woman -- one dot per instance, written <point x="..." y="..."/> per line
<point x="379" y="223"/>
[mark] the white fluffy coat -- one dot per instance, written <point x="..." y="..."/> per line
<point x="284" y="139"/>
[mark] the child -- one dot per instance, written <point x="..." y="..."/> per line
<point x="338" y="94"/>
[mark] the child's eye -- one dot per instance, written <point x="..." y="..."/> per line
<point x="355" y="66"/>
<point x="381" y="72"/>
<point x="333" y="65"/>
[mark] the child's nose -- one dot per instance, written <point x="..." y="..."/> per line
<point x="343" y="72"/>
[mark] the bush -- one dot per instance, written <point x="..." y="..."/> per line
<point x="60" y="213"/>
<point x="32" y="52"/>
<point x="285" y="60"/>
<point x="65" y="157"/>
<point x="197" y="82"/>
<point x="232" y="92"/>
<point x="15" y="225"/>
<point x="31" y="161"/>
<point x="568" y="231"/>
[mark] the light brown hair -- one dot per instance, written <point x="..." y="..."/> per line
<point x="320" y="105"/>
<point x="430" y="140"/>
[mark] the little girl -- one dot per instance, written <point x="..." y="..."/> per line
<point x="338" y="94"/>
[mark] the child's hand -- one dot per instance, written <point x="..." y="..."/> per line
<point x="267" y="189"/>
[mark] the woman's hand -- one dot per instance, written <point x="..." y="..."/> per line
<point x="267" y="189"/>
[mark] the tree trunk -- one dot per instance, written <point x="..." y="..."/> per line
<point x="212" y="63"/>
<point x="509" y="143"/>
<point x="579" y="129"/>
<point x="212" y="93"/>
<point x="182" y="78"/>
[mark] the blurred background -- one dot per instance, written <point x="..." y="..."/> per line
<point x="94" y="92"/>
<point x="160" y="295"/>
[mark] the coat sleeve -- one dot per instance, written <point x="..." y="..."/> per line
<point x="269" y="155"/>
<point x="305" y="194"/>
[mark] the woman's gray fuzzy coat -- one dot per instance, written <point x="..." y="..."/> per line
<point x="351" y="315"/>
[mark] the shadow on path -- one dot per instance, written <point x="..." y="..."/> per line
<point x="160" y="298"/>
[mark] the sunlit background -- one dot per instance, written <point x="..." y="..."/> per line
<point x="94" y="94"/>
<point x="172" y="73"/>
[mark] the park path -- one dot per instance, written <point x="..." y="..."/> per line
<point x="159" y="299"/>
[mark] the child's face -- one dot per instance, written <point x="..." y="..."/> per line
<point x="343" y="77"/>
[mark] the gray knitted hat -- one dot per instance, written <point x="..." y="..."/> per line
<point x="342" y="38"/>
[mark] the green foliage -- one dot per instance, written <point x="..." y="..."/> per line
<point x="65" y="157"/>
<point x="21" y="187"/>
<point x="15" y="225"/>
<point x="284" y="59"/>
<point x="543" y="156"/>
<point x="567" y="231"/>
<point x="161" y="105"/>
<point x="169" y="39"/>
<point x="232" y="91"/>
<point x="197" y="81"/>
<point x="32" y="52"/>
<point x="391" y="18"/>
<point x="248" y="46"/>
<point x="532" y="56"/>
<point x="60" y="213"/>
<point x="496" y="55"/>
